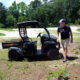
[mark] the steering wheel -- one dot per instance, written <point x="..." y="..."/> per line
<point x="39" y="35"/>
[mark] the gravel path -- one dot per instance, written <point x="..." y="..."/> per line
<point x="32" y="32"/>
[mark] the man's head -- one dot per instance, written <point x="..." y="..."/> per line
<point x="62" y="22"/>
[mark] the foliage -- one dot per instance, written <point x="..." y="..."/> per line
<point x="1" y="25"/>
<point x="35" y="4"/>
<point x="59" y="74"/>
<point x="11" y="21"/>
<point x="3" y="11"/>
<point x="22" y="18"/>
<point x="47" y="12"/>
<point x="22" y="7"/>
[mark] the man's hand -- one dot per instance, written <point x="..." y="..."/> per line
<point x="57" y="36"/>
<point x="71" y="41"/>
<point x="57" y="40"/>
<point x="71" y="37"/>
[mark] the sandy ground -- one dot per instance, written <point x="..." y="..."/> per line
<point x="32" y="32"/>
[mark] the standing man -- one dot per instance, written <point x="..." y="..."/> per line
<point x="66" y="36"/>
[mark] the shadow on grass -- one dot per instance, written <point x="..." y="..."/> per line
<point x="44" y="58"/>
<point x="71" y="58"/>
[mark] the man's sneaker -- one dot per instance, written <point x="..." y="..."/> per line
<point x="64" y="60"/>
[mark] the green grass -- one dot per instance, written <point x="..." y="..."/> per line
<point x="75" y="51"/>
<point x="9" y="39"/>
<point x="53" y="32"/>
<point x="59" y="74"/>
<point x="75" y="25"/>
<point x="78" y="30"/>
<point x="7" y="29"/>
<point x="3" y="54"/>
<point x="2" y="34"/>
<point x="79" y="46"/>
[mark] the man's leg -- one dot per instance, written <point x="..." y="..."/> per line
<point x="66" y="43"/>
<point x="63" y="48"/>
<point x="65" y="53"/>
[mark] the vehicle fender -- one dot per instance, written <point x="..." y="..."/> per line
<point x="19" y="50"/>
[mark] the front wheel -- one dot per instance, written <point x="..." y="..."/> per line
<point x="14" y="55"/>
<point x="52" y="53"/>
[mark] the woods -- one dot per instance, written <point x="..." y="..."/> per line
<point x="47" y="12"/>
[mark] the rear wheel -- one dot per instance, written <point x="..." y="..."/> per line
<point x="14" y="55"/>
<point x="52" y="53"/>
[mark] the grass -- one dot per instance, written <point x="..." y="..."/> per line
<point x="78" y="30"/>
<point x="1" y="76"/>
<point x="16" y="70"/>
<point x="75" y="25"/>
<point x="59" y="74"/>
<point x="9" y="39"/>
<point x="7" y="29"/>
<point x="2" y="34"/>
<point x="75" y="51"/>
<point x="79" y="46"/>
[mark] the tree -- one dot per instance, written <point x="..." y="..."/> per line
<point x="11" y="21"/>
<point x="3" y="15"/>
<point x="22" y="7"/>
<point x="13" y="9"/>
<point x="22" y="18"/>
<point x="45" y="1"/>
<point x="35" y="4"/>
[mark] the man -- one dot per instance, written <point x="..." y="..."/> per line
<point x="66" y="36"/>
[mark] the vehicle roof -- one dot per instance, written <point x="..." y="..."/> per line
<point x="27" y="23"/>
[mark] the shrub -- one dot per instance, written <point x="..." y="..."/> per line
<point x="1" y="25"/>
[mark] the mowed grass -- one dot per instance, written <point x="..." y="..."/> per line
<point x="78" y="30"/>
<point x="2" y="34"/>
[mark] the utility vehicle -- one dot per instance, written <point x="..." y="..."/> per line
<point x="26" y="48"/>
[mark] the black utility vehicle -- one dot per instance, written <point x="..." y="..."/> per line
<point x="26" y="48"/>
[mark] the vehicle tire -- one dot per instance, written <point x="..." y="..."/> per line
<point x="14" y="55"/>
<point x="53" y="53"/>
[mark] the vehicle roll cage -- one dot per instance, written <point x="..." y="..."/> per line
<point x="22" y="27"/>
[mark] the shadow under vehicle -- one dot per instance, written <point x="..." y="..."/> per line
<point x="26" y="48"/>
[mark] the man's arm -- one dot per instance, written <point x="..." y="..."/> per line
<point x="71" y="35"/>
<point x="57" y="36"/>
